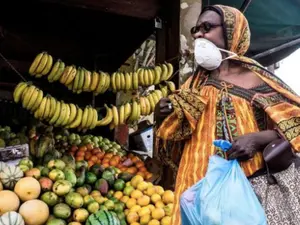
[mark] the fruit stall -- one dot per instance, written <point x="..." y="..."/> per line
<point x="60" y="160"/>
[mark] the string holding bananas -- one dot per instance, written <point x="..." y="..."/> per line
<point x="79" y="79"/>
<point x="56" y="113"/>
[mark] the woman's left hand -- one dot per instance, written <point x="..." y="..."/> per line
<point x="245" y="146"/>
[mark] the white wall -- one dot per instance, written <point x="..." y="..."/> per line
<point x="289" y="71"/>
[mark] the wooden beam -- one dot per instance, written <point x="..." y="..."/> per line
<point x="143" y="9"/>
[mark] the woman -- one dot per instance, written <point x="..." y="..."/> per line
<point x="241" y="102"/>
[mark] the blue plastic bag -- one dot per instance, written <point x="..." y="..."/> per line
<point x="223" y="197"/>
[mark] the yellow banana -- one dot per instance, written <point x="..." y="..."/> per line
<point x="95" y="119"/>
<point x="38" y="101"/>
<point x="90" y="117"/>
<point x="18" y="92"/>
<point x="76" y="80"/>
<point x="155" y="97"/>
<point x="138" y="111"/>
<point x="67" y="115"/>
<point x="41" y="109"/>
<point x="134" y="112"/>
<point x="95" y="81"/>
<point x="52" y="107"/>
<point x="164" y="72"/>
<point x="151" y="77"/>
<point x="113" y="82"/>
<point x="65" y="74"/>
<point x="71" y="76"/>
<point x="78" y="119"/>
<point x="115" y="116"/>
<point x="121" y="114"/>
<point x="123" y="81"/>
<point x="170" y="71"/>
<point x="112" y="126"/>
<point x="108" y="117"/>
<point x="35" y="63"/>
<point x="135" y="81"/>
<point x="47" y="108"/>
<point x="146" y="77"/>
<point x="118" y="81"/>
<point x="73" y="112"/>
<point x="143" y="106"/>
<point x="53" y="71"/>
<point x="141" y="73"/>
<point x="148" y="106"/>
<point x="157" y="72"/>
<point x="128" y="81"/>
<point x="101" y="83"/>
<point x="56" y="113"/>
<point x="62" y="114"/>
<point x="42" y="64"/>
<point x="85" y="117"/>
<point x="164" y="90"/>
<point x="87" y="80"/>
<point x="171" y="86"/>
<point x="152" y="103"/>
<point x="48" y="66"/>
<point x="127" y="111"/>
<point x="107" y="83"/>
<point x="81" y="81"/>
<point x="60" y="71"/>
<point x="27" y="95"/>
<point x="159" y="94"/>
<point x="33" y="98"/>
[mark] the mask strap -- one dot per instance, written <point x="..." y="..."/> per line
<point x="229" y="52"/>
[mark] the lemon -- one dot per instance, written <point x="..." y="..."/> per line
<point x="144" y="211"/>
<point x="136" y="180"/>
<point x="135" y="208"/>
<point x="158" y="213"/>
<point x="132" y="217"/>
<point x="155" y="198"/>
<point x="118" y="195"/>
<point x="128" y="183"/>
<point x="159" y="204"/>
<point x="168" y="209"/>
<point x="150" y="184"/>
<point x="136" y="194"/>
<point x="159" y="190"/>
<point x="130" y="203"/>
<point x="168" y="197"/>
<point x="124" y="199"/>
<point x="153" y="222"/>
<point x="126" y="211"/>
<point x="151" y="207"/>
<point x="142" y="186"/>
<point x="144" y="220"/>
<point x="150" y="191"/>
<point x="144" y="200"/>
<point x="166" y="220"/>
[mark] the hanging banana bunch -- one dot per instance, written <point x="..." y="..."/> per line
<point x="56" y="113"/>
<point x="79" y="79"/>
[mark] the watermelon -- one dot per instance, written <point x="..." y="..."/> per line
<point x="11" y="218"/>
<point x="103" y="217"/>
<point x="10" y="175"/>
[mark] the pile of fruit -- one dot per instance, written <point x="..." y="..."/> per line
<point x="62" y="191"/>
<point x="68" y="115"/>
<point x="80" y="79"/>
<point x="9" y="138"/>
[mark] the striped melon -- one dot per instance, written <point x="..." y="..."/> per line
<point x="2" y="165"/>
<point x="10" y="176"/>
<point x="11" y="218"/>
<point x="103" y="217"/>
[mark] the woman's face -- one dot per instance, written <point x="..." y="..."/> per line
<point x="210" y="19"/>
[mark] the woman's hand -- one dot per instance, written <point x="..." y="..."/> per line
<point x="163" y="108"/>
<point x="245" y="146"/>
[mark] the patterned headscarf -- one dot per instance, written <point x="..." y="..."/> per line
<point x="236" y="28"/>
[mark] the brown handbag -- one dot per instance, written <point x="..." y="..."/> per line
<point x="279" y="155"/>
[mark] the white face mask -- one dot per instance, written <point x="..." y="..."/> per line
<point x="208" y="55"/>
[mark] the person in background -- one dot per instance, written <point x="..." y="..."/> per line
<point x="236" y="99"/>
